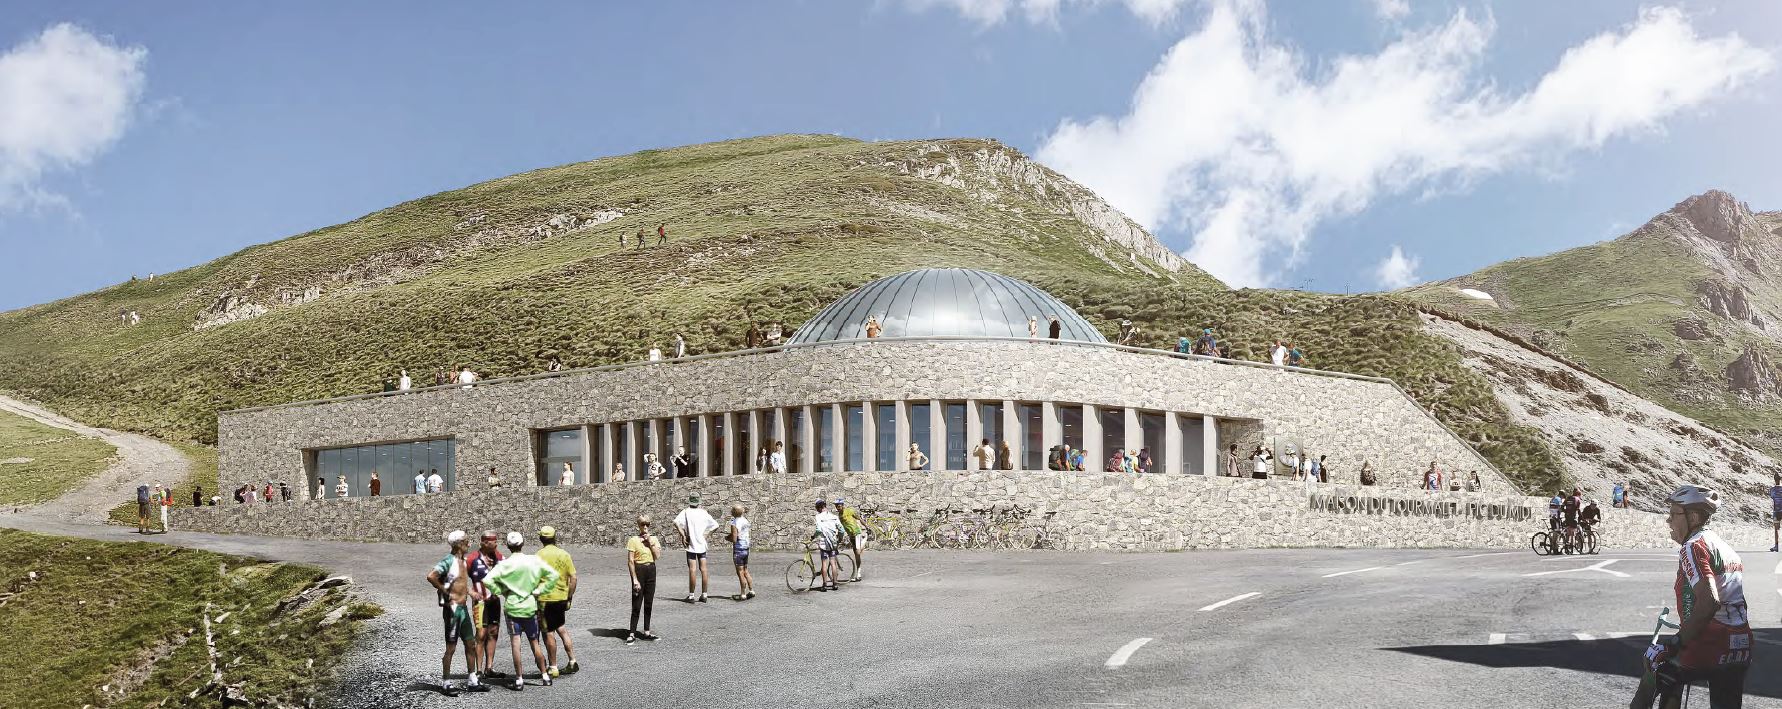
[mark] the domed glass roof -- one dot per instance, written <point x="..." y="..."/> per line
<point x="945" y="301"/>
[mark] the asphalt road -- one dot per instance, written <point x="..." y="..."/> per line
<point x="1357" y="628"/>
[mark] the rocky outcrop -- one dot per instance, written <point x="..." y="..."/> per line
<point x="1753" y="374"/>
<point x="1719" y="216"/>
<point x="1724" y="299"/>
<point x="1691" y="329"/>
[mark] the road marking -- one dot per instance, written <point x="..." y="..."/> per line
<point x="1495" y="553"/>
<point x="1598" y="566"/>
<point x="1231" y="600"/>
<point x="1584" y="636"/>
<point x="1408" y="563"/>
<point x="1353" y="571"/>
<point x="1496" y="639"/>
<point x="920" y="575"/>
<point x="1575" y="557"/>
<point x="1123" y="654"/>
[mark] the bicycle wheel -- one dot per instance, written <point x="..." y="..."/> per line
<point x="1590" y="542"/>
<point x="1538" y="541"/>
<point x="844" y="567"/>
<point x="800" y="576"/>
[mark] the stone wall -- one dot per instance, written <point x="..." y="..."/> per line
<point x="1093" y="511"/>
<point x="1350" y="420"/>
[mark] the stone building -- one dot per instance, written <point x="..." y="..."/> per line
<point x="954" y="365"/>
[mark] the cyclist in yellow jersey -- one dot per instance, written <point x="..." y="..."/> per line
<point x="554" y="604"/>
<point x="856" y="533"/>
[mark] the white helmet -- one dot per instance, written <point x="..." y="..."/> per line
<point x="1693" y="496"/>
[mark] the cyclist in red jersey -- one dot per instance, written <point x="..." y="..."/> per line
<point x="1714" y="643"/>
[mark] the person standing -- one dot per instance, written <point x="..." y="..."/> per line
<point x="1055" y="329"/>
<point x="197" y="496"/>
<point x="618" y="472"/>
<point x="662" y="234"/>
<point x="850" y="521"/>
<point x="267" y="495"/>
<point x="738" y="534"/>
<point x="1032" y="327"/>
<point x="761" y="460"/>
<point x="467" y="377"/>
<point x="377" y="486"/>
<point x="641" y="553"/>
<point x="655" y="354"/>
<point x="487" y="609"/>
<point x="166" y="504"/>
<point x="873" y="328"/>
<point x="520" y="579"/>
<point x="1713" y="645"/>
<point x="494" y="480"/>
<point x="1232" y="465"/>
<point x="1367" y="473"/>
<point x="1005" y="458"/>
<point x="682" y="464"/>
<point x="918" y="461"/>
<point x="1278" y="354"/>
<point x="641" y="239"/>
<point x="420" y="482"/>
<point x="774" y="333"/>
<point x="284" y="491"/>
<point x="403" y="382"/>
<point x="827" y="535"/>
<point x="453" y="586"/>
<point x="1619" y="495"/>
<point x="985" y="455"/>
<point x="1259" y="463"/>
<point x="776" y="461"/>
<point x="566" y="479"/>
<point x="680" y="346"/>
<point x="143" y="502"/>
<point x="435" y="483"/>
<point x="340" y="487"/>
<point x="1143" y="462"/>
<point x="653" y="467"/>
<point x="554" y="604"/>
<point x="694" y="525"/>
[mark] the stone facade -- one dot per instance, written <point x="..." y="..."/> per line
<point x="1349" y="419"/>
<point x="1091" y="511"/>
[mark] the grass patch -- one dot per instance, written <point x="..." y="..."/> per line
<point x="38" y="462"/>
<point x="101" y="615"/>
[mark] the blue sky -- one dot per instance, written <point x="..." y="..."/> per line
<point x="216" y="126"/>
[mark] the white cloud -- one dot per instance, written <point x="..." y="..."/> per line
<point x="994" y="12"/>
<point x="65" y="97"/>
<point x="1392" y="9"/>
<point x="1239" y="139"/>
<point x="1397" y="270"/>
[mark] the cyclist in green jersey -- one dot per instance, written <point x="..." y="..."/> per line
<point x="850" y="521"/>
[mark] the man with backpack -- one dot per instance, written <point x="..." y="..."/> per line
<point x="142" y="508"/>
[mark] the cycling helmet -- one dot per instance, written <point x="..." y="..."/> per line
<point x="1695" y="496"/>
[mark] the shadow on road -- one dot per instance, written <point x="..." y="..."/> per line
<point x="619" y="633"/>
<point x="1609" y="656"/>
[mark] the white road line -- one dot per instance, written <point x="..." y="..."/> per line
<point x="1229" y="601"/>
<point x="1496" y="639"/>
<point x="1408" y="563"/>
<point x="1353" y="571"/>
<point x="1123" y="654"/>
<point x="1495" y="553"/>
<point x="1584" y="636"/>
<point x="1598" y="566"/>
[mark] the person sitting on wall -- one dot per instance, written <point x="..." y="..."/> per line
<point x="1078" y="460"/>
<point x="1144" y="460"/>
<point x="1117" y="462"/>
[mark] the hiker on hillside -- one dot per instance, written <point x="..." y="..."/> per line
<point x="197" y="496"/>
<point x="662" y="234"/>
<point x="143" y="500"/>
<point x="680" y="346"/>
<point x="640" y="238"/>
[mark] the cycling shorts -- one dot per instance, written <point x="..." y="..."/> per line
<point x="457" y="623"/>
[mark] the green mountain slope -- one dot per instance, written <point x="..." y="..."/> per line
<point x="1683" y="311"/>
<point x="510" y="275"/>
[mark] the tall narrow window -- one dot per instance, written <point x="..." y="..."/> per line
<point x="1033" y="444"/>
<point x="825" y="429"/>
<point x="718" y="432"/>
<point x="990" y="420"/>
<point x="1113" y="438"/>
<point x="920" y="430"/>
<point x="855" y="430"/>
<point x="745" y="456"/>
<point x="795" y="446"/>
<point x="1070" y="421"/>
<point x="1153" y="436"/>
<point x="556" y="448"/>
<point x="954" y="414"/>
<point x="885" y="425"/>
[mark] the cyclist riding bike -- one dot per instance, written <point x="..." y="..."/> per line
<point x="1568" y="515"/>
<point x="1713" y="644"/>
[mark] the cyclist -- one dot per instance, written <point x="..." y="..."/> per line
<point x="850" y="521"/>
<point x="1568" y="515"/>
<point x="1714" y="642"/>
<point x="1553" y="512"/>
<point x="1590" y="516"/>
<point x="1776" y="514"/>
<point x="827" y="535"/>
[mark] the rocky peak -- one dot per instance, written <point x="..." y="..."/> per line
<point x="1719" y="216"/>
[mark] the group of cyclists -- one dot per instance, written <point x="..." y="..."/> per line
<point x="1572" y="516"/>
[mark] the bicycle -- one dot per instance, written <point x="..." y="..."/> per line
<point x="1647" y="694"/>
<point x="802" y="574"/>
<point x="1545" y="543"/>
<point x="883" y="528"/>
<point x="1587" y="541"/>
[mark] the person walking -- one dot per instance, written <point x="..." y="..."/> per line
<point x="520" y="579"/>
<point x="1776" y="513"/>
<point x="695" y="525"/>
<point x="985" y="455"/>
<point x="640" y="238"/>
<point x="554" y="604"/>
<point x="738" y="534"/>
<point x="420" y="482"/>
<point x="450" y="581"/>
<point x="850" y="521"/>
<point x="918" y="461"/>
<point x="680" y="346"/>
<point x="143" y="502"/>
<point x="641" y="553"/>
<point x="435" y="483"/>
<point x="827" y="535"/>
<point x="662" y="234"/>
<point x="776" y="461"/>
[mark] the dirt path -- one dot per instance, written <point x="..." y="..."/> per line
<point x="141" y="461"/>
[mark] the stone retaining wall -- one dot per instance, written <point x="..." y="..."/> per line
<point x="1093" y="511"/>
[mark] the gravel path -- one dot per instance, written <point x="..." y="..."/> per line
<point x="141" y="461"/>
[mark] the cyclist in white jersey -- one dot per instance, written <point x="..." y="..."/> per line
<point x="1714" y="643"/>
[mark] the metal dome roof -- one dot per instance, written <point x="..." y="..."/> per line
<point x="944" y="301"/>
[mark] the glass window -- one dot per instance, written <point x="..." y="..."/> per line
<point x="1152" y="425"/>
<point x="1070" y="421"/>
<point x="1113" y="437"/>
<point x="717" y="462"/>
<point x="394" y="463"/>
<point x="954" y="420"/>
<point x="825" y="419"/>
<point x="920" y="428"/>
<point x="795" y="446"/>
<point x="556" y="448"/>
<point x="692" y="444"/>
<point x="884" y="419"/>
<point x="647" y="445"/>
<point x="1194" y="448"/>
<point x="623" y="466"/>
<point x="399" y="477"/>
<point x="745" y="458"/>
<point x="854" y="428"/>
<point x="327" y="466"/>
<point x="597" y="452"/>
<point x="1033" y="444"/>
<point x="990" y="420"/>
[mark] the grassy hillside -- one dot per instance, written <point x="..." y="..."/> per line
<point x="39" y="463"/>
<point x="1626" y="308"/>
<point x="508" y="275"/>
<point x="98" y="627"/>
